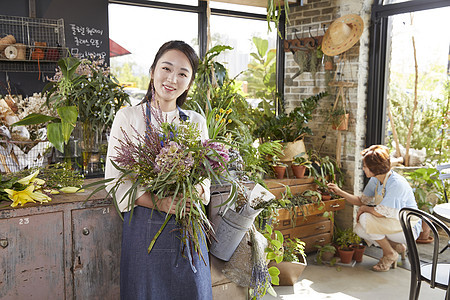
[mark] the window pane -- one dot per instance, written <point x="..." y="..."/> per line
<point x="142" y="31"/>
<point x="431" y="49"/>
<point x="184" y="2"/>
<point x="238" y="7"/>
<point x="238" y="33"/>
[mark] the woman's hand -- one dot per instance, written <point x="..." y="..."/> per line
<point x="334" y="188"/>
<point x="164" y="204"/>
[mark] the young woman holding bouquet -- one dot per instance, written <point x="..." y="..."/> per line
<point x="377" y="219"/>
<point x="172" y="269"/>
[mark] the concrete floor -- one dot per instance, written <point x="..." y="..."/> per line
<point x="358" y="282"/>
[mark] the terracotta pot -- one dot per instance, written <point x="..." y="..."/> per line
<point x="299" y="171"/>
<point x="346" y="255"/>
<point x="279" y="171"/>
<point x="326" y="197"/>
<point x="343" y="123"/>
<point x="359" y="252"/>
<point x="327" y="256"/>
<point x="328" y="65"/>
<point x="290" y="272"/>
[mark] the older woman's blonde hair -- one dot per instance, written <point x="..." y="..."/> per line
<point x="377" y="159"/>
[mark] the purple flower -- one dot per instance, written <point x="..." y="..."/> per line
<point x="217" y="155"/>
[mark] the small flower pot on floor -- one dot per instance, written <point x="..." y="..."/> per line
<point x="290" y="272"/>
<point x="346" y="255"/>
<point x="359" y="252"/>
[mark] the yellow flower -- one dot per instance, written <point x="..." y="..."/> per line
<point x="222" y="121"/>
<point x="229" y="111"/>
<point x="70" y="190"/>
<point x="229" y="121"/>
<point x="32" y="178"/>
<point x="217" y="117"/>
<point x="221" y="110"/>
<point x="20" y="197"/>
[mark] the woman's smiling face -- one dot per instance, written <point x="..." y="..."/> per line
<point x="171" y="78"/>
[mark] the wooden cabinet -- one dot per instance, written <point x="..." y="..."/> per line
<point x="66" y="249"/>
<point x="305" y="222"/>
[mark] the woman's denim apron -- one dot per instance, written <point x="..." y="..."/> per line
<point x="165" y="272"/>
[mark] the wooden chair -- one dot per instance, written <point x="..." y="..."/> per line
<point x="436" y="274"/>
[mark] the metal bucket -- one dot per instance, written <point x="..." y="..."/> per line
<point x="229" y="234"/>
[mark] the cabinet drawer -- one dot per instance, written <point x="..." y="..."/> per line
<point x="32" y="257"/>
<point x="298" y="221"/>
<point x="307" y="230"/>
<point x="313" y="209"/>
<point x="320" y="239"/>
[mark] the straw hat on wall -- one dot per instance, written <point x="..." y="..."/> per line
<point x="342" y="34"/>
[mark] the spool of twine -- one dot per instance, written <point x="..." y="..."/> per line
<point x="6" y="41"/>
<point x="11" y="52"/>
<point x="21" y="51"/>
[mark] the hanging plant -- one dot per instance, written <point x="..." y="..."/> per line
<point x="274" y="8"/>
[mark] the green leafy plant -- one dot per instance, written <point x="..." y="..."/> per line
<point x="277" y="162"/>
<point x="82" y="91"/>
<point x="293" y="249"/>
<point x="261" y="79"/>
<point x="425" y="184"/>
<point x="301" y="160"/>
<point x="321" y="250"/>
<point x="335" y="116"/>
<point x="274" y="8"/>
<point x="325" y="169"/>
<point x="287" y="127"/>
<point x="346" y="237"/>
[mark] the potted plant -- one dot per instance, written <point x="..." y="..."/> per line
<point x="289" y="128"/>
<point x="339" y="118"/>
<point x="325" y="170"/>
<point x="344" y="239"/>
<point x="294" y="262"/>
<point x="326" y="253"/>
<point x="278" y="167"/>
<point x="300" y="164"/>
<point x="357" y="246"/>
<point x="83" y="92"/>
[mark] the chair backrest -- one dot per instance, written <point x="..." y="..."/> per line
<point x="444" y="176"/>
<point x="408" y="216"/>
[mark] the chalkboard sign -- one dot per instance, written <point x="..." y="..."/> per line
<point x="86" y="41"/>
<point x="86" y="34"/>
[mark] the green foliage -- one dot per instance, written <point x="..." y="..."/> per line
<point x="346" y="237"/>
<point x="335" y="116"/>
<point x="80" y="91"/>
<point x="124" y="72"/>
<point x="301" y="160"/>
<point x="56" y="175"/>
<point x="327" y="248"/>
<point x="274" y="13"/>
<point x="214" y="91"/>
<point x="432" y="118"/>
<point x="288" y="127"/>
<point x="293" y="249"/>
<point x="325" y="169"/>
<point x="274" y="251"/>
<point x="425" y="182"/>
<point x="261" y="79"/>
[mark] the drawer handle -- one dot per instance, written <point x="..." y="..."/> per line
<point x="335" y="205"/>
<point x="85" y="231"/>
<point x="320" y="241"/>
<point x="322" y="227"/>
<point x="4" y="243"/>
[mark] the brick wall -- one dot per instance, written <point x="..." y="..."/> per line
<point x="353" y="67"/>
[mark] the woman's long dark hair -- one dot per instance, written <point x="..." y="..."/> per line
<point x="190" y="54"/>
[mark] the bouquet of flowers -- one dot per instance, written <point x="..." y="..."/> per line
<point x="170" y="162"/>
